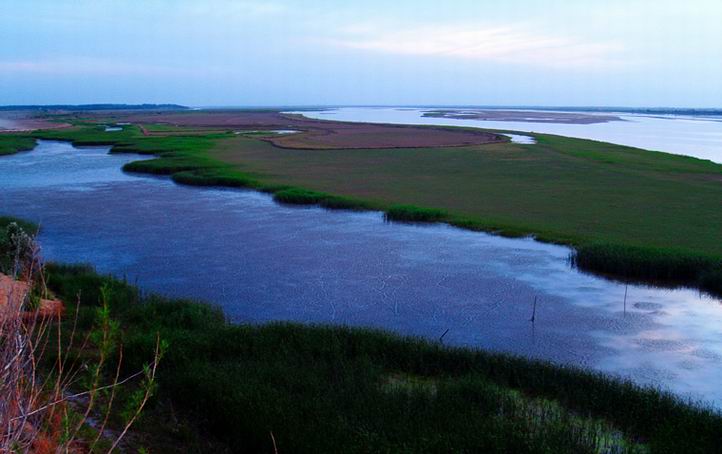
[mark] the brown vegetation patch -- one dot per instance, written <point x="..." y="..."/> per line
<point x="12" y="295"/>
<point x="316" y="134"/>
<point x="18" y="121"/>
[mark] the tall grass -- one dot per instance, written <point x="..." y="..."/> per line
<point x="411" y="213"/>
<point x="665" y="266"/>
<point x="215" y="177"/>
<point x="299" y="196"/>
<point x="13" y="143"/>
<point x="57" y="391"/>
<point x="337" y="389"/>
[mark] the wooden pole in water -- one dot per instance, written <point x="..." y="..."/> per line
<point x="626" y="286"/>
<point x="533" y="313"/>
<point x="441" y="339"/>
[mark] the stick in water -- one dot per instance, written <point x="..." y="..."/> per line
<point x="441" y="339"/>
<point x="533" y="313"/>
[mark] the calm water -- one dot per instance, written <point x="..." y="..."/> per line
<point x="261" y="261"/>
<point x="700" y="137"/>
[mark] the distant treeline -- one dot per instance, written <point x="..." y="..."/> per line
<point x="86" y="107"/>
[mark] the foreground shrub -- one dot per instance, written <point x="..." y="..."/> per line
<point x="55" y="383"/>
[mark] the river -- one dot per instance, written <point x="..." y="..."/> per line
<point x="697" y="136"/>
<point x="261" y="261"/>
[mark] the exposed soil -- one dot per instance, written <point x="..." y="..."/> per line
<point x="13" y="292"/>
<point x="15" y="121"/>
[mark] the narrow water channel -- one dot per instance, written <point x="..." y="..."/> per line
<point x="261" y="261"/>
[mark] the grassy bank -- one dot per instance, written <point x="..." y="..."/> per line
<point x="13" y="143"/>
<point x="668" y="266"/>
<point x="411" y="213"/>
<point x="324" y="389"/>
<point x="630" y="213"/>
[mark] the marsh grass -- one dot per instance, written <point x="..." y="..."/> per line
<point x="328" y="389"/>
<point x="188" y="160"/>
<point x="215" y="177"/>
<point x="299" y="196"/>
<point x="14" y="143"/>
<point x="652" y="265"/>
<point x="411" y="213"/>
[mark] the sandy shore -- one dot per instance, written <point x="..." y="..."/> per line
<point x="529" y="116"/>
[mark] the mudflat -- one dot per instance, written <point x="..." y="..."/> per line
<point x="527" y="116"/>
<point x="12" y="121"/>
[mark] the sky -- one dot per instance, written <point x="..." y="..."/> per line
<point x="371" y="52"/>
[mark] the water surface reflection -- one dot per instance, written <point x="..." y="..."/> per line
<point x="261" y="261"/>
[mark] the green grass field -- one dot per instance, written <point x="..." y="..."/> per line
<point x="617" y="205"/>
<point x="558" y="190"/>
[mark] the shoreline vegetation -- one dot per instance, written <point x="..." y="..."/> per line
<point x="11" y="144"/>
<point x="57" y="394"/>
<point x="620" y="249"/>
<point x="225" y="387"/>
<point x="371" y="391"/>
<point x="228" y="387"/>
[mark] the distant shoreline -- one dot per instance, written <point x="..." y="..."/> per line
<point x="528" y="116"/>
<point x="14" y="121"/>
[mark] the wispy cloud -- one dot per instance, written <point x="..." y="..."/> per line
<point x="509" y="44"/>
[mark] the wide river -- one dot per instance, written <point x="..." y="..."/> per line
<point x="698" y="136"/>
<point x="261" y="261"/>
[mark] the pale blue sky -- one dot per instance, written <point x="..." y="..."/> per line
<point x="286" y="52"/>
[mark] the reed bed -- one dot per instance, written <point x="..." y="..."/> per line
<point x="411" y="213"/>
<point x="328" y="389"/>
<point x="14" y="143"/>
<point x="661" y="266"/>
<point x="299" y="196"/>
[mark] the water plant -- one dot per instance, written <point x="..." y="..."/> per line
<point x="664" y="266"/>
<point x="411" y="213"/>
<point x="299" y="196"/>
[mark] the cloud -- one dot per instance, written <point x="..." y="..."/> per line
<point x="511" y="44"/>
